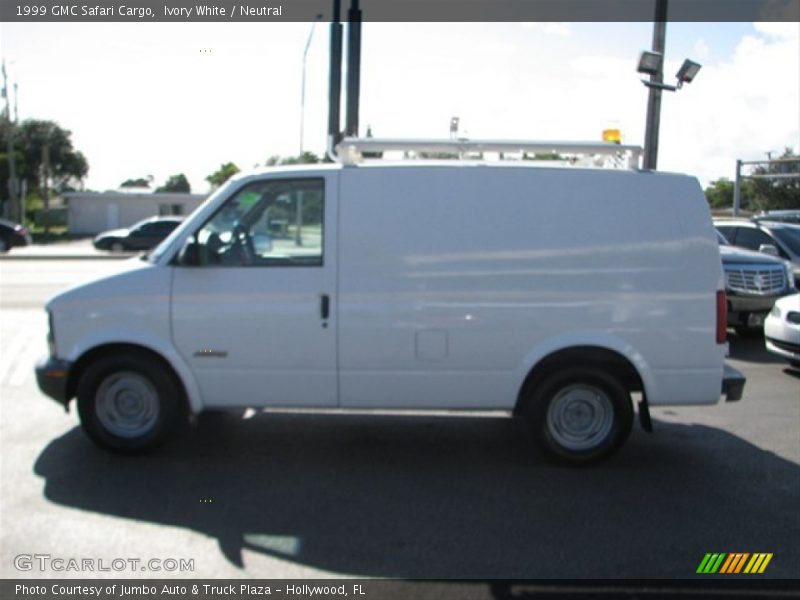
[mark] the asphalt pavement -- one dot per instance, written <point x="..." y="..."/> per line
<point x="266" y="494"/>
<point x="78" y="249"/>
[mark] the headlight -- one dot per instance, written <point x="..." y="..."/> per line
<point x="789" y="275"/>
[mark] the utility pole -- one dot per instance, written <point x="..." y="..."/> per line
<point x="654" y="93"/>
<point x="737" y="189"/>
<point x="353" y="68"/>
<point x="335" y="79"/>
<point x="45" y="185"/>
<point x="12" y="166"/>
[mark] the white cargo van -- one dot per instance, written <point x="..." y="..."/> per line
<point x="550" y="293"/>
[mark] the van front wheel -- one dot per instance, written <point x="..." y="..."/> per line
<point x="128" y="403"/>
<point x="579" y="415"/>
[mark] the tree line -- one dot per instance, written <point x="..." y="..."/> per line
<point x="761" y="191"/>
<point x="48" y="164"/>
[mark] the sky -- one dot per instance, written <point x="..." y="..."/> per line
<point x="165" y="98"/>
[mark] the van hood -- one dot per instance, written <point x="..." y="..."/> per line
<point x="99" y="287"/>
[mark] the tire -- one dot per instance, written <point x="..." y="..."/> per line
<point x="3" y="246"/>
<point x="128" y="403"/>
<point x="579" y="415"/>
<point x="117" y="247"/>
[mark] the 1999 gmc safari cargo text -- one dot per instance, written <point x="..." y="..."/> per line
<point x="550" y="293"/>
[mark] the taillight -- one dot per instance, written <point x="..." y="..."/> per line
<point x="722" y="317"/>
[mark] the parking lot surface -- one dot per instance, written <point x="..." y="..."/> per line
<point x="270" y="494"/>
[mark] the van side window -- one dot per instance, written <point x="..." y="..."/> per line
<point x="267" y="223"/>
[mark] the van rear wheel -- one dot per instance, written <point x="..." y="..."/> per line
<point x="128" y="403"/>
<point x="579" y="415"/>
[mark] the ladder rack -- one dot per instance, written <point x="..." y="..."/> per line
<point x="352" y="150"/>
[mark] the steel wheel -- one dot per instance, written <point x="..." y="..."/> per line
<point x="580" y="417"/>
<point x="127" y="404"/>
<point x="129" y="401"/>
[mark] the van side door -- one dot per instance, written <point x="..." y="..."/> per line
<point x="251" y="296"/>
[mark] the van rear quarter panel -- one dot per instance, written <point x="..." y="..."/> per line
<point x="454" y="281"/>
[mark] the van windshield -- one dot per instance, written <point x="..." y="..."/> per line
<point x="156" y="253"/>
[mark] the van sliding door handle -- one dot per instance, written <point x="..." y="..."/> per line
<point x="324" y="306"/>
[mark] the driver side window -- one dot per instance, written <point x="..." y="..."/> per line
<point x="266" y="223"/>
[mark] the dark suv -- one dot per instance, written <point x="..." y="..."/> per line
<point x="753" y="281"/>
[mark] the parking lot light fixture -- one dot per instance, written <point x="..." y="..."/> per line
<point x="650" y="62"/>
<point x="687" y="72"/>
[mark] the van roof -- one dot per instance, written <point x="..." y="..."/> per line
<point x="445" y="164"/>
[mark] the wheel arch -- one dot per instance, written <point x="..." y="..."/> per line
<point x="190" y="399"/>
<point x="611" y="360"/>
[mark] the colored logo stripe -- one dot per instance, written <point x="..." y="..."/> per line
<point x="724" y="563"/>
<point x="734" y="563"/>
<point x="758" y="563"/>
<point x="711" y="563"/>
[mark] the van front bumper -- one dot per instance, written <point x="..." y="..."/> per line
<point x="52" y="375"/>
<point x="732" y="384"/>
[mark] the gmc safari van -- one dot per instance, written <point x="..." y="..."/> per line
<point x="551" y="293"/>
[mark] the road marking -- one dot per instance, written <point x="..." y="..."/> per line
<point x="26" y="362"/>
<point x="11" y="351"/>
<point x="26" y="344"/>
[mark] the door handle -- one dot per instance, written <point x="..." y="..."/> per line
<point x="324" y="306"/>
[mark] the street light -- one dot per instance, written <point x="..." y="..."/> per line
<point x="652" y="63"/>
<point x="303" y="84"/>
<point x="687" y="72"/>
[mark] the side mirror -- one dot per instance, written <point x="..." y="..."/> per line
<point x="769" y="249"/>
<point x="189" y="256"/>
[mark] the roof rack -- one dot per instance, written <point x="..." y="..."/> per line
<point x="353" y="150"/>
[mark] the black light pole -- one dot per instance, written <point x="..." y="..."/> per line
<point x="654" y="96"/>
<point x="335" y="77"/>
<point x="353" y="68"/>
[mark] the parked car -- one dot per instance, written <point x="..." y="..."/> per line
<point x="779" y="239"/>
<point x="144" y="235"/>
<point x="782" y="329"/>
<point x="13" y="234"/>
<point x="781" y="216"/>
<point x="753" y="281"/>
<point x="410" y="287"/>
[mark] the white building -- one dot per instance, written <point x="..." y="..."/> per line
<point x="89" y="213"/>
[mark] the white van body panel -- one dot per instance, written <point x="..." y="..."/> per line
<point x="127" y="307"/>
<point x="455" y="281"/>
<point x="264" y="322"/>
<point x="448" y="285"/>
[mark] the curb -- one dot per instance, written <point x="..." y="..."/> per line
<point x="65" y="257"/>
